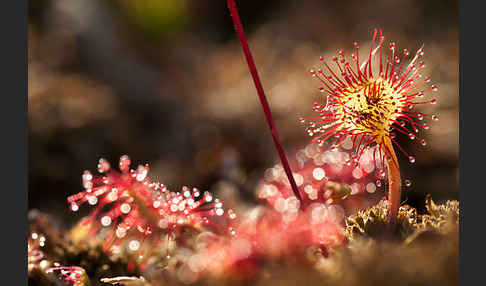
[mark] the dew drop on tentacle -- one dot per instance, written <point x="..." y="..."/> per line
<point x="103" y="165"/>
<point x="231" y="214"/>
<point x="142" y="172"/>
<point x="411" y="136"/>
<point x="411" y="159"/>
<point x="378" y="183"/>
<point x="219" y="212"/>
<point x="125" y="208"/>
<point x="318" y="174"/>
<point x="407" y="183"/>
<point x="382" y="174"/>
<point x="87" y="180"/>
<point x="105" y="221"/>
<point x="134" y="245"/>
<point x="124" y="164"/>
<point x="92" y="200"/>
<point x="74" y="207"/>
<point x="435" y="117"/>
<point x="422" y="141"/>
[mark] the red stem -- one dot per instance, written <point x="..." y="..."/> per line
<point x="261" y="95"/>
<point x="394" y="183"/>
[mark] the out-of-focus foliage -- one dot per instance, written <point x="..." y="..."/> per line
<point x="156" y="18"/>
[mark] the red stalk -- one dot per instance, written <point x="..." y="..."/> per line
<point x="261" y="95"/>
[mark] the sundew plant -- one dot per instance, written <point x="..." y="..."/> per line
<point x="371" y="106"/>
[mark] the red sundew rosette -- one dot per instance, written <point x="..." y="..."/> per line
<point x="123" y="201"/>
<point x="275" y="234"/>
<point x="264" y="235"/>
<point x="370" y="102"/>
<point x="316" y="176"/>
<point x="138" y="213"/>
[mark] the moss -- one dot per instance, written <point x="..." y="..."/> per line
<point x="372" y="222"/>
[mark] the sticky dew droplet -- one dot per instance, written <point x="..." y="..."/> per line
<point x="407" y="183"/>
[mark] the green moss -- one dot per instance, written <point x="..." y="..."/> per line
<point x="372" y="222"/>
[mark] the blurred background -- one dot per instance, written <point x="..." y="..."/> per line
<point x="165" y="82"/>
